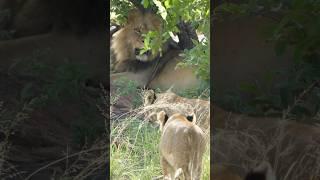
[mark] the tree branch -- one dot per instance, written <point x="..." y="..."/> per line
<point x="186" y="34"/>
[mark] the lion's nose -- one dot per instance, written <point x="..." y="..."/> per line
<point x="137" y="51"/>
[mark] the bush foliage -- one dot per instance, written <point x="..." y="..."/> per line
<point x="294" y="30"/>
<point x="172" y="12"/>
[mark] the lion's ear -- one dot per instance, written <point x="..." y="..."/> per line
<point x="162" y="118"/>
<point x="166" y="117"/>
<point x="133" y="15"/>
<point x="155" y="20"/>
<point x="149" y="96"/>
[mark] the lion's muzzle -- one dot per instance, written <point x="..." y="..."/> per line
<point x="142" y="57"/>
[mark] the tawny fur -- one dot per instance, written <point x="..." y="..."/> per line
<point x="127" y="39"/>
<point x="182" y="146"/>
<point x="124" y="61"/>
<point x="172" y="103"/>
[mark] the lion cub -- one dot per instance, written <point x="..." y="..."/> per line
<point x="182" y="146"/>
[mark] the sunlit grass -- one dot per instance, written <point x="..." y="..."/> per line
<point x="135" y="153"/>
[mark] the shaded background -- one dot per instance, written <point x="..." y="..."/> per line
<point x="53" y="67"/>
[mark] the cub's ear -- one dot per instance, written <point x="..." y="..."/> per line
<point x="133" y="16"/>
<point x="162" y="118"/>
<point x="165" y="118"/>
<point x="149" y="96"/>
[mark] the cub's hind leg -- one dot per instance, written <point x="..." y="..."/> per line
<point x="167" y="170"/>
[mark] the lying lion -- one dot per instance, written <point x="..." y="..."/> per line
<point x="147" y="69"/>
<point x="172" y="103"/>
<point x="182" y="146"/>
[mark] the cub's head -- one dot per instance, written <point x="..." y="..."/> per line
<point x="128" y="42"/>
<point x="162" y="118"/>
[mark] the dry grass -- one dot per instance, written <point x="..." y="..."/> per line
<point x="244" y="149"/>
<point x="292" y="156"/>
<point x="88" y="163"/>
<point x="134" y="142"/>
<point x="9" y="120"/>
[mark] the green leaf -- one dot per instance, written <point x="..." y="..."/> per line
<point x="161" y="8"/>
<point x="145" y="3"/>
<point x="167" y="4"/>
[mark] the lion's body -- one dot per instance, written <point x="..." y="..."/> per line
<point x="182" y="146"/>
<point x="180" y="78"/>
<point x="127" y="62"/>
<point x="299" y="137"/>
<point x="172" y="103"/>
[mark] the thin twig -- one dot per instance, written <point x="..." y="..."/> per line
<point x="62" y="159"/>
<point x="299" y="98"/>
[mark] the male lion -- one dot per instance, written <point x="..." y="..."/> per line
<point x="128" y="42"/>
<point x="147" y="69"/>
<point x="182" y="146"/>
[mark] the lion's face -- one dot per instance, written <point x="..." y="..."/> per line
<point x="130" y="40"/>
<point x="142" y="23"/>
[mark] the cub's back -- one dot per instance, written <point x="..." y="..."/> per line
<point x="181" y="135"/>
